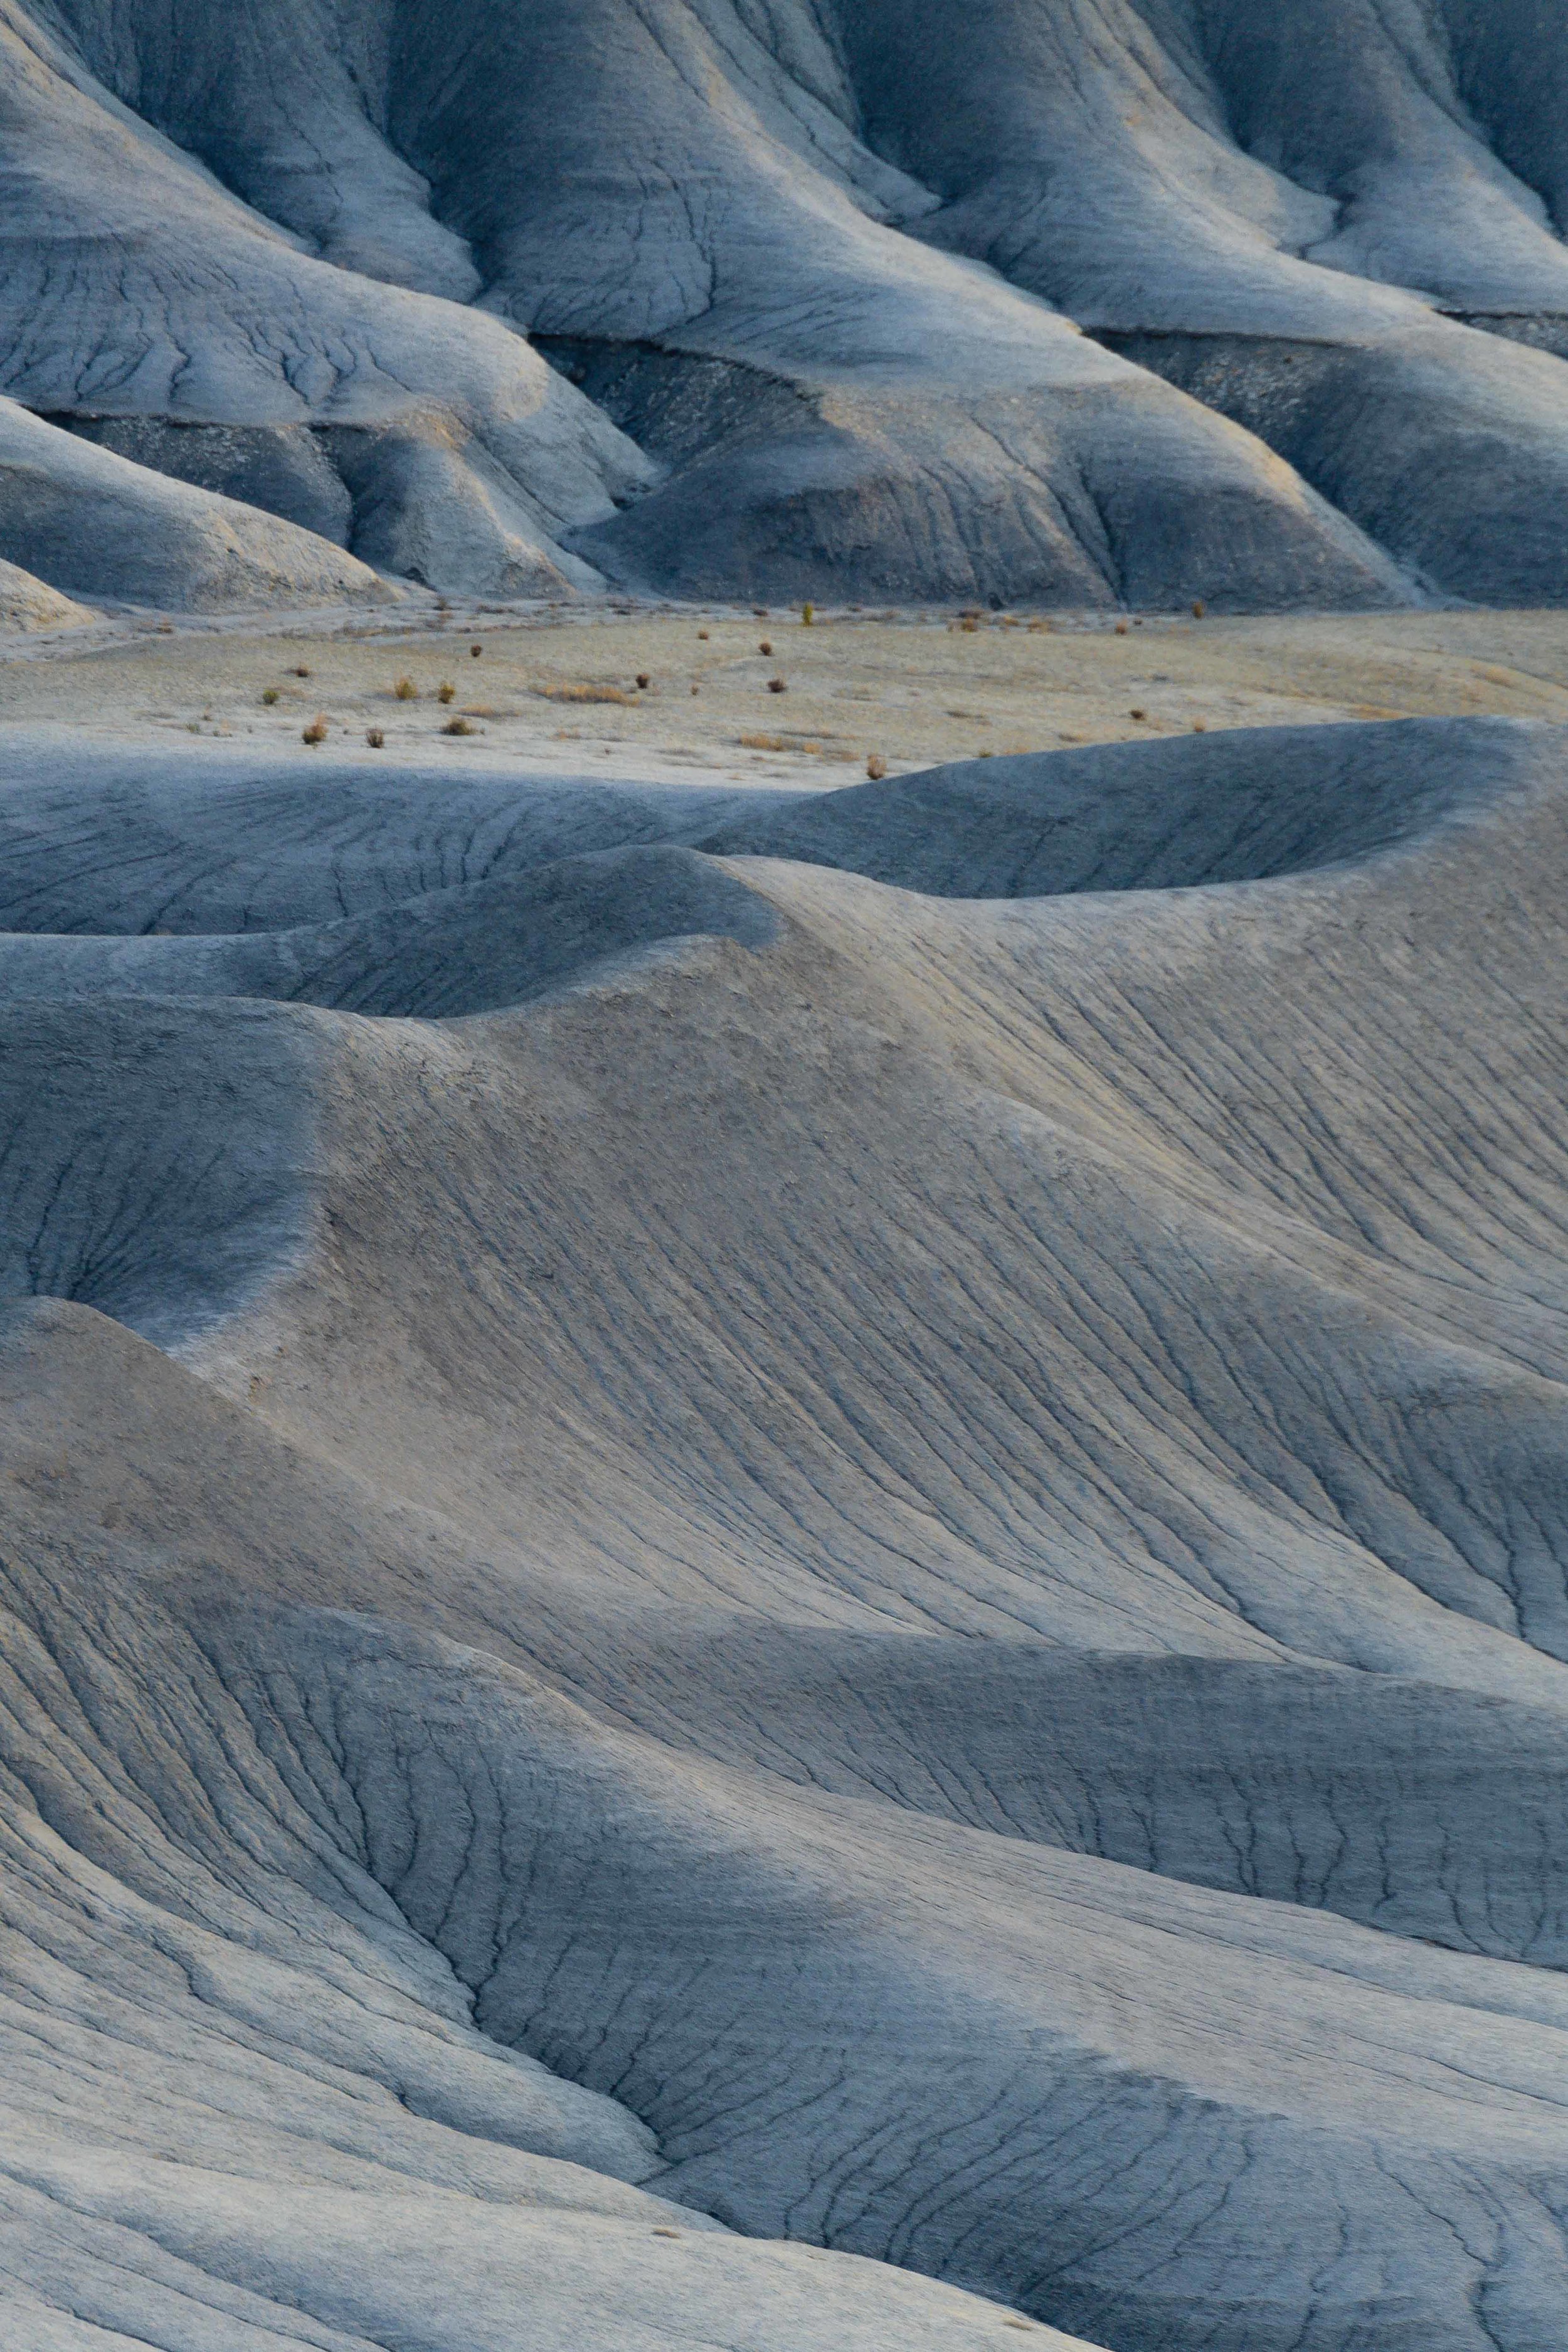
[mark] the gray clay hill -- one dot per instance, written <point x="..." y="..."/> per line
<point x="784" y="1570"/>
<point x="1076" y="302"/>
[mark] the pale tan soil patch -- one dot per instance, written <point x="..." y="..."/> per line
<point x="914" y="688"/>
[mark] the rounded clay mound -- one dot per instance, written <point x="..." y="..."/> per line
<point x="1245" y="805"/>
<point x="848" y="1633"/>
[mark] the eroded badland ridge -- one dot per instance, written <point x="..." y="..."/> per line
<point x="1069" y="304"/>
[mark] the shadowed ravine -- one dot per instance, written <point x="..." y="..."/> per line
<point x="787" y="1570"/>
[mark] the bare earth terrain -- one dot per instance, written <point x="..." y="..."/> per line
<point x="784" y="1556"/>
<point x="553" y="686"/>
<point x="783" y="1175"/>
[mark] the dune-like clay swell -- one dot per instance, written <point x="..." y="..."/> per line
<point x="786" y="1569"/>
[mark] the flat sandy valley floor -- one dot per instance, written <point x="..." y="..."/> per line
<point x="558" y="689"/>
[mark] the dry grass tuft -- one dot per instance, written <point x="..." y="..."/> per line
<point x="777" y="686"/>
<point x="585" y="694"/>
<point x="460" y="726"/>
<point x="374" y="737"/>
<point x="316" y="730"/>
<point x="763" y="743"/>
<point x="446" y="691"/>
<point x="269" y="694"/>
<point x="405" y="691"/>
<point x="876" y="767"/>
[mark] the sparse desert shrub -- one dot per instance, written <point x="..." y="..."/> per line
<point x="695" y="687"/>
<point x="446" y="691"/>
<point x="876" y="767"/>
<point x="374" y="737"/>
<point x="1122" y="628"/>
<point x="405" y="691"/>
<point x="807" y="615"/>
<point x="763" y="742"/>
<point x="269" y="694"/>
<point x="584" y="694"/>
<point x="777" y="686"/>
<point x="760" y="612"/>
<point x="475" y="651"/>
<point x="1199" y="608"/>
<point x="300" y="673"/>
<point x="704" y="634"/>
<point x="458" y="726"/>
<point x="766" y="646"/>
<point x="1137" y="714"/>
<point x="1200" y="726"/>
<point x="643" y="681"/>
<point x="316" y="730"/>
